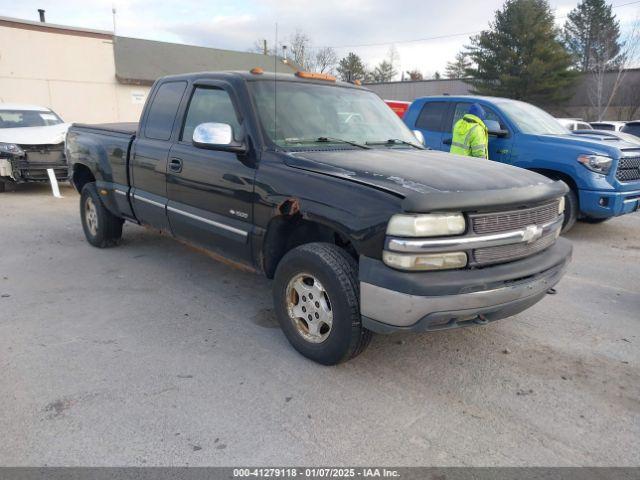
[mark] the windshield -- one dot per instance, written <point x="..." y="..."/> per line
<point x="28" y="118"/>
<point x="310" y="113"/>
<point x="531" y="119"/>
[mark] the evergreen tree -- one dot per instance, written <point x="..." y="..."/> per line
<point x="351" y="68"/>
<point x="459" y="66"/>
<point x="592" y="35"/>
<point x="383" y="72"/>
<point x="520" y="56"/>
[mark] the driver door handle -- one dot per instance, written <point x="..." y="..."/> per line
<point x="175" y="165"/>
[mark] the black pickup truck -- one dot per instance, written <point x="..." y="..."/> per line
<point x="320" y="186"/>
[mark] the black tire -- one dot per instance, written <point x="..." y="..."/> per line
<point x="594" y="220"/>
<point x="571" y="210"/>
<point x="107" y="229"/>
<point x="337" y="273"/>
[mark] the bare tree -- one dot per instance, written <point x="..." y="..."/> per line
<point x="414" y="75"/>
<point x="606" y="80"/>
<point x="261" y="45"/>
<point x="326" y="60"/>
<point x="300" y="50"/>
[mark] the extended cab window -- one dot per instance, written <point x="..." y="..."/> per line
<point x="163" y="110"/>
<point x="431" y="116"/>
<point x="209" y="105"/>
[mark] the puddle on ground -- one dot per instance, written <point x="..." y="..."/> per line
<point x="266" y="318"/>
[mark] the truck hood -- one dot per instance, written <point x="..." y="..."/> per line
<point x="430" y="180"/>
<point x="405" y="172"/>
<point x="51" y="135"/>
<point x="588" y="144"/>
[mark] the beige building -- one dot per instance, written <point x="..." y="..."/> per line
<point x="92" y="76"/>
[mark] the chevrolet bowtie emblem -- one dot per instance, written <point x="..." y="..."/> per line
<point x="531" y="233"/>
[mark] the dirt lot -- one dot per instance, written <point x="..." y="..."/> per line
<point x="153" y="354"/>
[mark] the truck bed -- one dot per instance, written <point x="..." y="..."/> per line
<point x="129" y="128"/>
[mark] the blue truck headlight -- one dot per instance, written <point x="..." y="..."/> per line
<point x="596" y="163"/>
<point x="10" y="148"/>
<point x="426" y="225"/>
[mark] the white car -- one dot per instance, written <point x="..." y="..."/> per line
<point x="31" y="141"/>
<point x="574" y="123"/>
<point x="611" y="126"/>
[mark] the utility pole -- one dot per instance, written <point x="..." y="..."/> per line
<point x="264" y="47"/>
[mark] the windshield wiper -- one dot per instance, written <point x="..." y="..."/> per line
<point x="396" y="141"/>
<point x="326" y="140"/>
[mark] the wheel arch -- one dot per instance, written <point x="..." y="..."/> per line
<point x="286" y="232"/>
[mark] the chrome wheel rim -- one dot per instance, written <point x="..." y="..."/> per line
<point x="309" y="308"/>
<point x="91" y="216"/>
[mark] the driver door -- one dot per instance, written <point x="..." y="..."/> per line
<point x="210" y="192"/>
<point x="499" y="147"/>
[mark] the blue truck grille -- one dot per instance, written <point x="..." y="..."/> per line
<point x="628" y="169"/>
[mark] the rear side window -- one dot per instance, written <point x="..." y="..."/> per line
<point x="603" y="126"/>
<point x="209" y="105"/>
<point x="163" y="110"/>
<point x="431" y="117"/>
<point x="632" y="128"/>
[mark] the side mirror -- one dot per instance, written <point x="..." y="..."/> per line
<point x="217" y="136"/>
<point x="419" y="136"/>
<point x="494" y="128"/>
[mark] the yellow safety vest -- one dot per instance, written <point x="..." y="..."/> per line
<point x="470" y="137"/>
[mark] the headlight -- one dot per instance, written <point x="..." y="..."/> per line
<point x="428" y="225"/>
<point x="11" y="148"/>
<point x="430" y="261"/>
<point x="561" y="206"/>
<point x="596" y="163"/>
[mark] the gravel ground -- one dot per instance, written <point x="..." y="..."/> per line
<point x="154" y="354"/>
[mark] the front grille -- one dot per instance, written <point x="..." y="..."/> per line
<point x="628" y="169"/>
<point x="44" y="153"/>
<point x="507" y="253"/>
<point x="514" y="219"/>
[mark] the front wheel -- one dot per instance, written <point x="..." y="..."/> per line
<point x="317" y="302"/>
<point x="101" y="227"/>
<point x="594" y="220"/>
<point x="571" y="210"/>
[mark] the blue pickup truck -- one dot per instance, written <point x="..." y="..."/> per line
<point x="604" y="175"/>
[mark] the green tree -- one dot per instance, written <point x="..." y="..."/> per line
<point x="592" y="35"/>
<point x="520" y="56"/>
<point x="351" y="68"/>
<point x="383" y="72"/>
<point x="458" y="67"/>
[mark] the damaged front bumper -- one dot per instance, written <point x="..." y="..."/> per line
<point x="392" y="300"/>
<point x="32" y="163"/>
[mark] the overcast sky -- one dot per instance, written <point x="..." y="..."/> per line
<point x="347" y="25"/>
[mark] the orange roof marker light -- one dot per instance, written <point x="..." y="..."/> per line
<point x="256" y="71"/>
<point x="315" y="76"/>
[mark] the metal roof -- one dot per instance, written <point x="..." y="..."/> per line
<point x="143" y="61"/>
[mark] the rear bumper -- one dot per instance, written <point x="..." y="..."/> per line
<point x="400" y="301"/>
<point x="605" y="203"/>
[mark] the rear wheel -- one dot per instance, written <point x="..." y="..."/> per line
<point x="317" y="302"/>
<point x="101" y="227"/>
